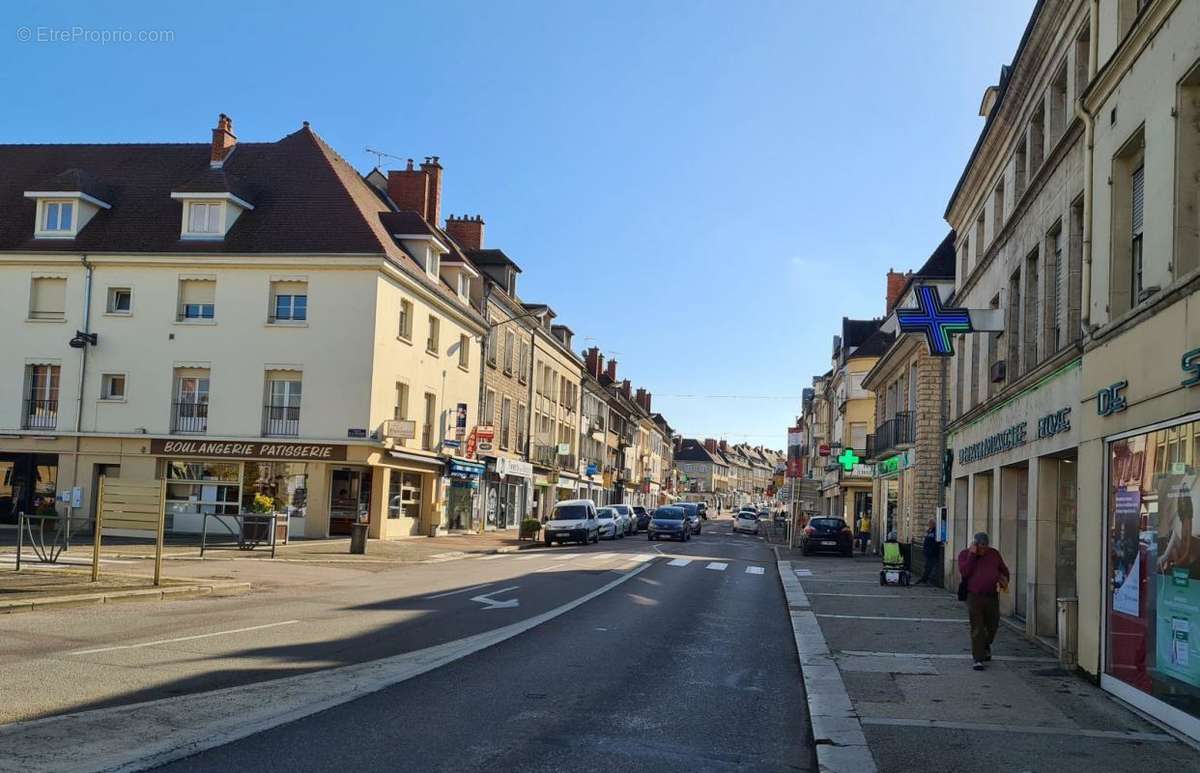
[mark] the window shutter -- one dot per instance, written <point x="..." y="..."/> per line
<point x="197" y="291"/>
<point x="1060" y="291"/>
<point x="49" y="297"/>
<point x="1139" y="180"/>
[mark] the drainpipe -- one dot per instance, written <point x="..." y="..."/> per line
<point x="83" y="358"/>
<point x="1089" y="135"/>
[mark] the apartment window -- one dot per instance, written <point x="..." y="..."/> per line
<point x="429" y="427"/>
<point x="41" y="397"/>
<point x="858" y="435"/>
<point x="1083" y="53"/>
<point x="1058" y="105"/>
<point x="48" y="298"/>
<point x="406" y="319"/>
<point x="190" y="409"/>
<point x="980" y="238"/>
<point x="1029" y="326"/>
<point x="289" y="301"/>
<point x="282" y="414"/>
<point x="400" y="410"/>
<point x="489" y="407"/>
<point x="1012" y="325"/>
<point x="431" y="343"/>
<point x="523" y="368"/>
<point x="493" y="340"/>
<point x="464" y="352"/>
<point x="505" y="416"/>
<point x="58" y="216"/>
<point x="112" y="386"/>
<point x="204" y="218"/>
<point x="522" y="412"/>
<point x="509" y="351"/>
<point x="1020" y="159"/>
<point x="1074" y="274"/>
<point x="1187" y="176"/>
<point x="1037" y="140"/>
<point x="1136" y="264"/>
<point x="977" y="391"/>
<point x="1055" y="288"/>
<point x="1127" y="191"/>
<point x="464" y="286"/>
<point x="997" y="209"/>
<point x="120" y="300"/>
<point x="433" y="263"/>
<point x="964" y="261"/>
<point x="197" y="299"/>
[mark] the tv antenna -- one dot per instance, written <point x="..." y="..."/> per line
<point x="380" y="155"/>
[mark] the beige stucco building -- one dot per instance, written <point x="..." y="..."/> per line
<point x="554" y="412"/>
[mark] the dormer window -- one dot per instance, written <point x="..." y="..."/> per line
<point x="464" y="286"/>
<point x="433" y="263"/>
<point x="208" y="215"/>
<point x="204" y="218"/>
<point x="57" y="216"/>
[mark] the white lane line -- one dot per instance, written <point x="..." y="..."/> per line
<point x="456" y="592"/>
<point x="717" y="565"/>
<point x="566" y="557"/>
<point x="902" y="619"/>
<point x="1011" y="658"/>
<point x="182" y="638"/>
<point x="602" y="556"/>
<point x="1029" y="729"/>
<point x="150" y="734"/>
<point x="754" y="570"/>
<point x="494" y="556"/>
<point x="679" y="562"/>
<point x="525" y="558"/>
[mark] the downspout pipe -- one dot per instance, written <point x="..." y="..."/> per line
<point x="1089" y="142"/>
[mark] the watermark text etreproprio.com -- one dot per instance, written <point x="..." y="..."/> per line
<point x="80" y="34"/>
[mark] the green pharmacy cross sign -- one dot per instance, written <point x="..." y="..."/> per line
<point x="848" y="459"/>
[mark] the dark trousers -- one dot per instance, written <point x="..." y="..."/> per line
<point x="931" y="562"/>
<point x="983" y="610"/>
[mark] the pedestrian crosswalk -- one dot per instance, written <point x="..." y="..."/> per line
<point x="627" y="561"/>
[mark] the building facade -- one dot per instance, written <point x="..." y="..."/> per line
<point x="554" y="430"/>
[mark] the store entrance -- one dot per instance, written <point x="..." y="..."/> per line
<point x="1014" y="531"/>
<point x="349" y="498"/>
<point x="28" y="484"/>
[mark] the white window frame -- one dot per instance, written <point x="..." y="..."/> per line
<point x="214" y="219"/>
<point x="464" y="352"/>
<point x="111" y="305"/>
<point x="433" y="340"/>
<point x="59" y="229"/>
<point x="406" y="320"/>
<point x="106" y="381"/>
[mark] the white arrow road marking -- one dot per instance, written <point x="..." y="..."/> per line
<point x="490" y="603"/>
<point x="679" y="562"/>
<point x="467" y="589"/>
<point x="181" y="638"/>
<point x="754" y="570"/>
<point x="717" y="565"/>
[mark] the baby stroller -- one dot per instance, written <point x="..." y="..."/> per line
<point x="893" y="571"/>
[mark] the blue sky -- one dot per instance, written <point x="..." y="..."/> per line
<point x="703" y="188"/>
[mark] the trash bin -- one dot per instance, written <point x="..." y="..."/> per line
<point x="358" y="538"/>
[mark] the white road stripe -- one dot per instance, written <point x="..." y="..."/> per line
<point x="456" y="592"/>
<point x="601" y="556"/>
<point x="494" y="556"/>
<point x="566" y="557"/>
<point x="525" y="558"/>
<point x="718" y="565"/>
<point x="679" y="562"/>
<point x="754" y="570"/>
<point x="183" y="638"/>
<point x="641" y="558"/>
<point x="804" y="572"/>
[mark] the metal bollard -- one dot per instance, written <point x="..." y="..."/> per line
<point x="358" y="538"/>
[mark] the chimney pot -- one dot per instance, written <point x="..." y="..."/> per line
<point x="223" y="140"/>
<point x="467" y="231"/>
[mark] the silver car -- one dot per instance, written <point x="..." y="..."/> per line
<point x="628" y="518"/>
<point x="610" y="523"/>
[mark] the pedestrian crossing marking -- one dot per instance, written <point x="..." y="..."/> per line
<point x="565" y="557"/>
<point x="641" y="558"/>
<point x="679" y="562"/>
<point x="717" y="565"/>
<point x="601" y="556"/>
<point x="526" y="558"/>
<point x="754" y="570"/>
<point x="804" y="572"/>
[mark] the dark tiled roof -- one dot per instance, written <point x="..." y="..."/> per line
<point x="693" y="451"/>
<point x="856" y="331"/>
<point x="941" y="264"/>
<point x="491" y="257"/>
<point x="875" y="346"/>
<point x="407" y="223"/>
<point x="74" y="180"/>
<point x="216" y="180"/>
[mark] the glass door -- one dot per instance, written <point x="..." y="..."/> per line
<point x="349" y="498"/>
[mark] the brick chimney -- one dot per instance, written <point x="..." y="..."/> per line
<point x="710" y="445"/>
<point x="895" y="286"/>
<point x="223" y="140"/>
<point x="625" y="390"/>
<point x="409" y="188"/>
<point x="466" y="230"/>
<point x="611" y="371"/>
<point x="724" y="447"/>
<point x="594" y="361"/>
<point x="643" y="399"/>
<point x="433" y="171"/>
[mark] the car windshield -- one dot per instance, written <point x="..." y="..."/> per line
<point x="570" y="513"/>
<point x="668" y="514"/>
<point x="748" y="514"/>
<point x="827" y="523"/>
<point x="606" y="513"/>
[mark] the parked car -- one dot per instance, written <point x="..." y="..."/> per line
<point x="627" y="515"/>
<point x="670" y="522"/>
<point x="573" y="520"/>
<point x="746" y="521"/>
<point x="610" y="523"/>
<point x="826" y="534"/>
<point x="643" y="518"/>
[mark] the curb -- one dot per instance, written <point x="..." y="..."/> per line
<point x="168" y="593"/>
<point x="837" y="733"/>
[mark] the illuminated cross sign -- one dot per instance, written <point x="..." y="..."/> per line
<point x="848" y="459"/>
<point x="935" y="321"/>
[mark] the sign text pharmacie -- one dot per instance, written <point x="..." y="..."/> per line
<point x="1048" y="426"/>
<point x="223" y="449"/>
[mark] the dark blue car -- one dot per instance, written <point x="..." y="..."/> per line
<point x="671" y="522"/>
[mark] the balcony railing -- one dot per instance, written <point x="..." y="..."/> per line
<point x="41" y="414"/>
<point x="281" y="420"/>
<point x="895" y="434"/>
<point x="189" y="417"/>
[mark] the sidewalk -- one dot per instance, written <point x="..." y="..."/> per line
<point x="902" y="659"/>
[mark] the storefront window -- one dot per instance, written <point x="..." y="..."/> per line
<point x="461" y="504"/>
<point x="195" y="488"/>
<point x="286" y="483"/>
<point x="404" y="495"/>
<point x="1154" y="565"/>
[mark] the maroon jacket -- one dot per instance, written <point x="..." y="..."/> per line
<point x="982" y="572"/>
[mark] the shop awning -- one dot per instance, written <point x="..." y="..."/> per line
<point x="431" y="463"/>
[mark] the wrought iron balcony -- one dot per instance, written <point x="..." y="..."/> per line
<point x="40" y="414"/>
<point x="894" y="435"/>
<point x="281" y="420"/>
<point x="191" y="418"/>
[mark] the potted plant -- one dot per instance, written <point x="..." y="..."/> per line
<point x="530" y="527"/>
<point x="257" y="530"/>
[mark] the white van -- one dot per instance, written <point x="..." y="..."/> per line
<point x="573" y="520"/>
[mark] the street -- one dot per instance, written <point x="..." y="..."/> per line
<point x="680" y="658"/>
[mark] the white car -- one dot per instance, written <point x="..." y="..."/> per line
<point x="628" y="518"/>
<point x="746" y="521"/>
<point x="610" y="523"/>
<point x="573" y="520"/>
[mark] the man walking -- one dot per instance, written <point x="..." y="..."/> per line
<point x="930" y="550"/>
<point x="864" y="532"/>
<point x="985" y="573"/>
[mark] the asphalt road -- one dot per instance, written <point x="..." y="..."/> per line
<point x="683" y="661"/>
<point x="683" y="668"/>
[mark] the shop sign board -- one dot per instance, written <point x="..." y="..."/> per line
<point x="486" y="432"/>
<point x="223" y="449"/>
<point x="464" y="470"/>
<point x="460" y="422"/>
<point x="400" y="429"/>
